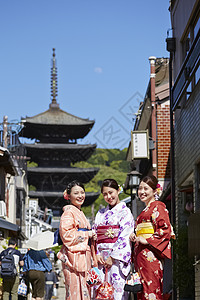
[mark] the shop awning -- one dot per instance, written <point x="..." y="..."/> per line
<point x="8" y="225"/>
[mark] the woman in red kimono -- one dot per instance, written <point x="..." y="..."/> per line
<point x="152" y="240"/>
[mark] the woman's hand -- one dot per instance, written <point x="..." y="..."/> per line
<point x="141" y="239"/>
<point x="92" y="234"/>
<point x="137" y="239"/>
<point x="132" y="237"/>
<point x="109" y="262"/>
<point x="100" y="259"/>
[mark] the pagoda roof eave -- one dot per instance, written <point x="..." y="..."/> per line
<point x="56" y="116"/>
<point x="59" y="146"/>
<point x="56" y="132"/>
<point x="54" y="170"/>
<point x="49" y="194"/>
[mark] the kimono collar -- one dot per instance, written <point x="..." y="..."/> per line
<point x="118" y="206"/>
<point x="70" y="206"/>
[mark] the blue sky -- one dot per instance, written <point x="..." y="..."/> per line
<point x="102" y="51"/>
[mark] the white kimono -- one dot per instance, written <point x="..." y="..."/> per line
<point x="120" y="251"/>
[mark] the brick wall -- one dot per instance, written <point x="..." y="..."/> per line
<point x="163" y="140"/>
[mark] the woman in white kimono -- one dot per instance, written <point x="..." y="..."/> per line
<point x="113" y="226"/>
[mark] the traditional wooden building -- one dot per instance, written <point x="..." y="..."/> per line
<point x="184" y="48"/>
<point x="55" y="149"/>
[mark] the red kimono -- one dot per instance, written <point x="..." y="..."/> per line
<point x="149" y="258"/>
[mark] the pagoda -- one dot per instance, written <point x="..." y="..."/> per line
<point x="55" y="149"/>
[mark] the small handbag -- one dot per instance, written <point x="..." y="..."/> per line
<point x="133" y="282"/>
<point x="105" y="291"/>
<point x="55" y="292"/>
<point x="22" y="288"/>
<point x="93" y="276"/>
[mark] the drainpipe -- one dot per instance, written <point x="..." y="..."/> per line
<point x="152" y="60"/>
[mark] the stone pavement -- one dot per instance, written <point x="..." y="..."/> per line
<point x="61" y="288"/>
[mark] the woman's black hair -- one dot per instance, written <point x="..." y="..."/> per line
<point x="12" y="241"/>
<point x="72" y="184"/>
<point x="151" y="180"/>
<point x="110" y="183"/>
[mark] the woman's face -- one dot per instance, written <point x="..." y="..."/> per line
<point x="111" y="196"/>
<point x="77" y="196"/>
<point x="145" y="192"/>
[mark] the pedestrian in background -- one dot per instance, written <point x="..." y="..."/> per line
<point x="50" y="284"/>
<point x="36" y="263"/>
<point x="10" y="284"/>
<point x="75" y="254"/>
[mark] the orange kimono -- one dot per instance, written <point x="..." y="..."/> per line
<point x="75" y="253"/>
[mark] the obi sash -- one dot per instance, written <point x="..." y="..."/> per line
<point x="145" y="229"/>
<point x="107" y="233"/>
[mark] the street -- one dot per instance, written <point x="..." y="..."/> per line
<point x="61" y="289"/>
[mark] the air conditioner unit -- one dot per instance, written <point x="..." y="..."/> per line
<point x="2" y="209"/>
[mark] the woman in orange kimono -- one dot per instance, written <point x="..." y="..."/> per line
<point x="152" y="241"/>
<point x="75" y="254"/>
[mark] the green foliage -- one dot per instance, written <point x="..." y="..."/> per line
<point x="56" y="249"/>
<point x="6" y="242"/>
<point x="120" y="165"/>
<point x="31" y="164"/>
<point x="99" y="159"/>
<point x="83" y="164"/>
<point x="108" y="156"/>
<point x="111" y="164"/>
<point x="32" y="188"/>
<point x="183" y="265"/>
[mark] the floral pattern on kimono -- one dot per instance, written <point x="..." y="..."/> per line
<point x="75" y="253"/>
<point x="149" y="258"/>
<point x="120" y="251"/>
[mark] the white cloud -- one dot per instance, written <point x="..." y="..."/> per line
<point x="98" y="70"/>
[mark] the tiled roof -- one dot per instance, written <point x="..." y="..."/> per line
<point x="57" y="116"/>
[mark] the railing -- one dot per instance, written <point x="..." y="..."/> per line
<point x="187" y="71"/>
<point x="16" y="149"/>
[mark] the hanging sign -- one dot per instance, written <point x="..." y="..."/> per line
<point x="140" y="144"/>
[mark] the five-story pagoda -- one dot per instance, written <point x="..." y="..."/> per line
<point x="55" y="133"/>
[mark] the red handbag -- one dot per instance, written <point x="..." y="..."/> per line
<point x="105" y="291"/>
